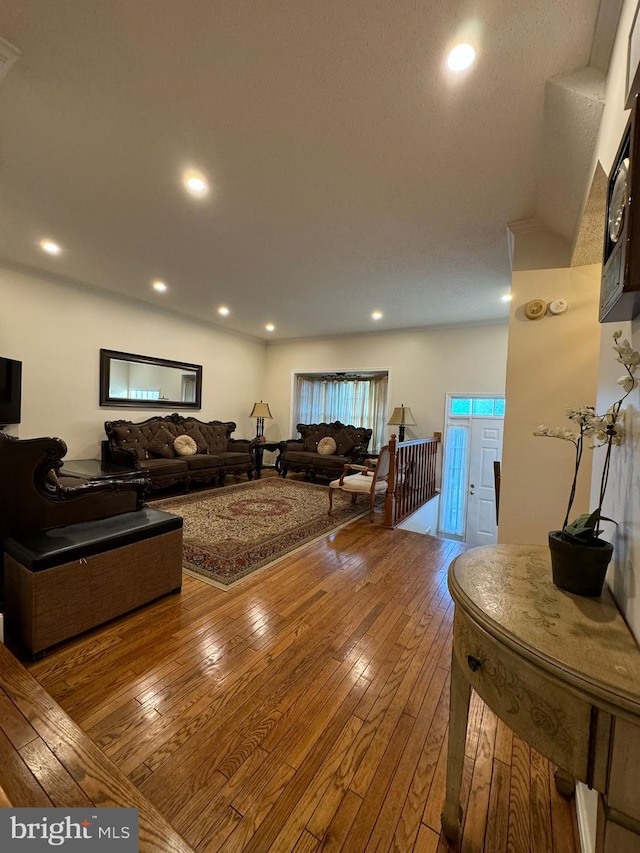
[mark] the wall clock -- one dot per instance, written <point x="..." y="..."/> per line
<point x="620" y="287"/>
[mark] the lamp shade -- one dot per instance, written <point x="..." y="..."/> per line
<point x="261" y="410"/>
<point x="401" y="415"/>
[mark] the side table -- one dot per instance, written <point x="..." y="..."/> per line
<point x="563" y="672"/>
<point x="259" y="448"/>
<point x="95" y="469"/>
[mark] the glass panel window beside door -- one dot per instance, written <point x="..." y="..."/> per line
<point x="455" y="476"/>
<point x="472" y="446"/>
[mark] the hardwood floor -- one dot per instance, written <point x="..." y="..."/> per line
<point x="306" y="709"/>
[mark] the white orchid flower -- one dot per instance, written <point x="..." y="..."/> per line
<point x="628" y="382"/>
<point x="557" y="432"/>
<point x="626" y="355"/>
<point x="602" y="430"/>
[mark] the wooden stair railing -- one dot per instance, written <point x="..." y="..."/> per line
<point x="412" y="477"/>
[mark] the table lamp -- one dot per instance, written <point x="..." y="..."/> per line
<point x="260" y="412"/>
<point x="401" y="417"/>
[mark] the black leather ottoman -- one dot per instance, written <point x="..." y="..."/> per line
<point x="61" y="582"/>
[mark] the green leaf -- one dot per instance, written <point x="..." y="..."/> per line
<point x="585" y="527"/>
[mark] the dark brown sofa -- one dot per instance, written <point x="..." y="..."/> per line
<point x="149" y="446"/>
<point x="301" y="454"/>
<point x="74" y="557"/>
<point x="32" y="496"/>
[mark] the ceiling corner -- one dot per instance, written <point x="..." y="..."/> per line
<point x="605" y="33"/>
<point x="573" y="108"/>
<point x="590" y="238"/>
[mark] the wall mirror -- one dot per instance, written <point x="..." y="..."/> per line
<point x="142" y="382"/>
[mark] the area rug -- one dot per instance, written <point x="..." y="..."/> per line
<point x="230" y="533"/>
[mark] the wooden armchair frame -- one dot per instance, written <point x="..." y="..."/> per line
<point x="371" y="480"/>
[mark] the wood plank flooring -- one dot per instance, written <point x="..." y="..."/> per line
<point x="307" y="709"/>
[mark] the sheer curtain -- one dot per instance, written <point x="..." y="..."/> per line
<point x="454" y="496"/>
<point x="361" y="402"/>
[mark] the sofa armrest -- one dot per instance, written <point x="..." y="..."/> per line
<point x="292" y="444"/>
<point x="358" y="454"/>
<point x="53" y="505"/>
<point x="132" y="487"/>
<point x="121" y="456"/>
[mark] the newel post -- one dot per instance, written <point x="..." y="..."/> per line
<point x="390" y="497"/>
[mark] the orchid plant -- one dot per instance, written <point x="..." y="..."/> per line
<point x="601" y="431"/>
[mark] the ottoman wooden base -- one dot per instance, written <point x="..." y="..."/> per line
<point x="45" y="607"/>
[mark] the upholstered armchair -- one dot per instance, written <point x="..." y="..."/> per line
<point x="33" y="498"/>
<point x="369" y="479"/>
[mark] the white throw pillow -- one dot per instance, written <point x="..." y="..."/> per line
<point x="327" y="446"/>
<point x="184" y="445"/>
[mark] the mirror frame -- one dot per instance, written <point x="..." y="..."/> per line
<point x="106" y="355"/>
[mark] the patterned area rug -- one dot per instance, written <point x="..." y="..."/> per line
<point x="230" y="533"/>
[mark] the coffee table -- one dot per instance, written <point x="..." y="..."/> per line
<point x="95" y="469"/>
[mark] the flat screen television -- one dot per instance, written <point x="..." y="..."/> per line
<point x="10" y="391"/>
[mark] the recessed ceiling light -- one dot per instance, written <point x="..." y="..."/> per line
<point x="461" y="57"/>
<point x="223" y="310"/>
<point x="195" y="184"/>
<point x="377" y="315"/>
<point x="160" y="286"/>
<point x="506" y="297"/>
<point x="270" y="327"/>
<point x="50" y="247"/>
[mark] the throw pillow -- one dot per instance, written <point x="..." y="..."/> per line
<point x="131" y="438"/>
<point x="311" y="442"/>
<point x="345" y="443"/>
<point x="162" y="444"/>
<point x="184" y="445"/>
<point x="327" y="446"/>
<point x="197" y="436"/>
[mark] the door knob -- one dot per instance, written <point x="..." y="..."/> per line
<point x="472" y="489"/>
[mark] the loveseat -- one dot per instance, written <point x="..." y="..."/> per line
<point x="208" y="453"/>
<point x="323" y="449"/>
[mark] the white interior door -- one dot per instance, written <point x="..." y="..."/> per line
<point x="486" y="447"/>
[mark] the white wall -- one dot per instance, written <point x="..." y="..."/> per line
<point x="552" y="365"/>
<point x="622" y="501"/>
<point x="57" y="332"/>
<point x="423" y="366"/>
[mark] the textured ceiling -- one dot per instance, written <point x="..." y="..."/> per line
<point x="349" y="170"/>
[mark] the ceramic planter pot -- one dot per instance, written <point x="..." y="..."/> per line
<point x="578" y="568"/>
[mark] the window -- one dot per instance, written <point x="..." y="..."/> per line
<point x="144" y="394"/>
<point x="461" y="406"/>
<point x="482" y="407"/>
<point x="358" y="399"/>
